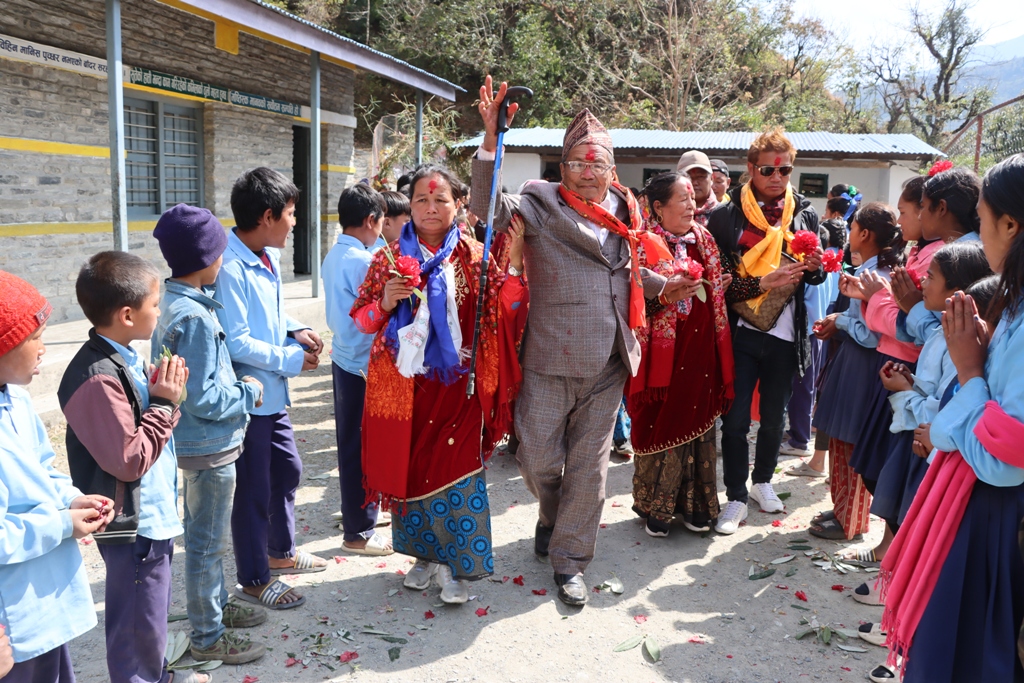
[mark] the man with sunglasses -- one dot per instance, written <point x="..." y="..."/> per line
<point x="753" y="230"/>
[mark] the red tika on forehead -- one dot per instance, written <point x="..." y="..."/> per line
<point x="591" y="155"/>
<point x="778" y="160"/>
<point x="432" y="186"/>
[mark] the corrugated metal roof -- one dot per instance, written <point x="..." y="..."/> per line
<point x="866" y="144"/>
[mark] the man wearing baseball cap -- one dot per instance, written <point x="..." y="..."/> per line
<point x="720" y="180"/>
<point x="697" y="166"/>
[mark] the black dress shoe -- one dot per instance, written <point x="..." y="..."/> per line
<point x="571" y="589"/>
<point x="543" y="538"/>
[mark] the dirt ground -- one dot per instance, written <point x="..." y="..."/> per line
<point x="688" y="593"/>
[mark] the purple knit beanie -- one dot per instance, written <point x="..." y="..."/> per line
<point x="190" y="238"/>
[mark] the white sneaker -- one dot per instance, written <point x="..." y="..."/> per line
<point x="419" y="576"/>
<point x="804" y="452"/>
<point x="729" y="521"/>
<point x="765" y="496"/>
<point x="453" y="591"/>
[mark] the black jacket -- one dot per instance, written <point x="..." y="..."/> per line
<point x="726" y="224"/>
<point x="103" y="408"/>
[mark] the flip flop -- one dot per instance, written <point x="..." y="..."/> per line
<point x="189" y="676"/>
<point x="830" y="530"/>
<point x="805" y="470"/>
<point x="270" y="595"/>
<point x="304" y="563"/>
<point x="383" y="519"/>
<point x="867" y="595"/>
<point x="376" y="546"/>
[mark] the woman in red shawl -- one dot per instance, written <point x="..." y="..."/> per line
<point x="686" y="373"/>
<point x="421" y="433"/>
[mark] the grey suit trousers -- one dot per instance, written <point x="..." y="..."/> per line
<point x="565" y="427"/>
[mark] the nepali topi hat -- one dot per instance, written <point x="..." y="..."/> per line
<point x="585" y="129"/>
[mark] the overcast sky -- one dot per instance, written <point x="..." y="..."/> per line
<point x="866" y="19"/>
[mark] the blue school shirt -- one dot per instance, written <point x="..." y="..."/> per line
<point x="915" y="327"/>
<point x="934" y="372"/>
<point x="344" y="271"/>
<point x="818" y="298"/>
<point x="158" y="488"/>
<point x="45" y="599"/>
<point x="852" y="321"/>
<point x="255" y="323"/>
<point x="953" y="427"/>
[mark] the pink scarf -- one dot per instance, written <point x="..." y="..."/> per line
<point x="911" y="568"/>
<point x="704" y="212"/>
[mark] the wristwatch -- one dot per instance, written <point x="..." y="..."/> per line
<point x="513" y="271"/>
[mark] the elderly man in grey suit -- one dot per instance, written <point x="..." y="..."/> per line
<point x="579" y="345"/>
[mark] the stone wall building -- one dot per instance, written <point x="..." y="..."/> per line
<point x="205" y="98"/>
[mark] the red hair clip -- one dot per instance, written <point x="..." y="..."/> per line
<point x="939" y="167"/>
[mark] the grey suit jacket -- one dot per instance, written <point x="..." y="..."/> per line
<point x="579" y="292"/>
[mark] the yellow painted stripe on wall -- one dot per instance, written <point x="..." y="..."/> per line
<point x="79" y="228"/>
<point x="333" y="168"/>
<point x="329" y="217"/>
<point x="47" y="147"/>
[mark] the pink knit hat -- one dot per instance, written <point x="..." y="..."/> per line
<point x="22" y="311"/>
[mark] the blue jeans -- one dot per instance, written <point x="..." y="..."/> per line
<point x="208" y="495"/>
<point x="623" y="425"/>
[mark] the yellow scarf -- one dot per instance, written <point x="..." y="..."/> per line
<point x="763" y="258"/>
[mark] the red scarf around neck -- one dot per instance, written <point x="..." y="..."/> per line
<point x="654" y="245"/>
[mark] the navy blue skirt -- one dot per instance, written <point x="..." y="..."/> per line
<point x="899" y="479"/>
<point x="847" y="391"/>
<point x="871" y="445"/>
<point x="968" y="631"/>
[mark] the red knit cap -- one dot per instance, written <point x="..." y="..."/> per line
<point x="22" y="311"/>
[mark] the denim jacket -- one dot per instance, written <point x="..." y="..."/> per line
<point x="259" y="332"/>
<point x="216" y="410"/>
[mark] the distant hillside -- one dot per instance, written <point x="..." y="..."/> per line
<point x="1002" y="68"/>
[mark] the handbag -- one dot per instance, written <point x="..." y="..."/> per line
<point x="765" y="317"/>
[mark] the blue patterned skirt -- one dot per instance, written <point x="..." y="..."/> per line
<point x="451" y="527"/>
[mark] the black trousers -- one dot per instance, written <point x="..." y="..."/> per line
<point x="759" y="356"/>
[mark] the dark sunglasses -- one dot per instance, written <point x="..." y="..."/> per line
<point x="769" y="171"/>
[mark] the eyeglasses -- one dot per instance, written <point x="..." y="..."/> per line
<point x="769" y="171"/>
<point x="580" y="166"/>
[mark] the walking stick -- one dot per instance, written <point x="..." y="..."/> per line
<point x="510" y="96"/>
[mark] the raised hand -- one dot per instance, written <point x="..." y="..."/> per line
<point x="904" y="290"/>
<point x="490" y="103"/>
<point x="168" y="379"/>
<point x="967" y="337"/>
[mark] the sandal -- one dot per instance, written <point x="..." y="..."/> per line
<point x="867" y="595"/>
<point x="376" y="546"/>
<point x="865" y="559"/>
<point x="270" y="596"/>
<point x="230" y="649"/>
<point x="302" y="563"/>
<point x="883" y="673"/>
<point x="805" y="470"/>
<point x="190" y="676"/>
<point x="830" y="530"/>
<point x="235" y="615"/>
<point x="823" y="517"/>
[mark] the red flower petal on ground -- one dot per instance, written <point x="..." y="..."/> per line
<point x="381" y="565"/>
<point x="781" y="587"/>
<point x="596" y="589"/>
<point x="697" y="640"/>
<point x="519" y="581"/>
<point x="400" y="572"/>
<point x="776" y="522"/>
<point x="839" y="588"/>
<point x="616" y="504"/>
<point x="338" y="559"/>
<point x="428" y="615"/>
<point x="804" y="243"/>
<point x="504" y="579"/>
<point x="291" y="661"/>
<point x="482" y="612"/>
<point x="640" y="618"/>
<point x="86" y="541"/>
<point x="728" y="656"/>
<point x="800" y="595"/>
<point x="348" y="656"/>
<point x="604" y="526"/>
<point x="305" y="528"/>
<point x="540" y="591"/>
<point x="845" y="668"/>
<point x="250" y="679"/>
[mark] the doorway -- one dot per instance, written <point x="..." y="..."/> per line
<point x="300" y="173"/>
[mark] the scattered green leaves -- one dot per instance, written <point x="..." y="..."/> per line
<point x="394" y="653"/>
<point x="754" y="574"/>
<point x="614" y="585"/>
<point x="629" y="644"/>
<point x="784" y="495"/>
<point x="650" y="645"/>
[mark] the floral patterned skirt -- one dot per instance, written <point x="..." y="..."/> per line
<point x="679" y="482"/>
<point x="452" y="526"/>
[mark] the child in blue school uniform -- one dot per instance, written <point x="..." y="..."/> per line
<point x="953" y="580"/>
<point x="361" y="213"/>
<point x="42" y="514"/>
<point x="121" y="412"/>
<point x="208" y="437"/>
<point x="268" y="345"/>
